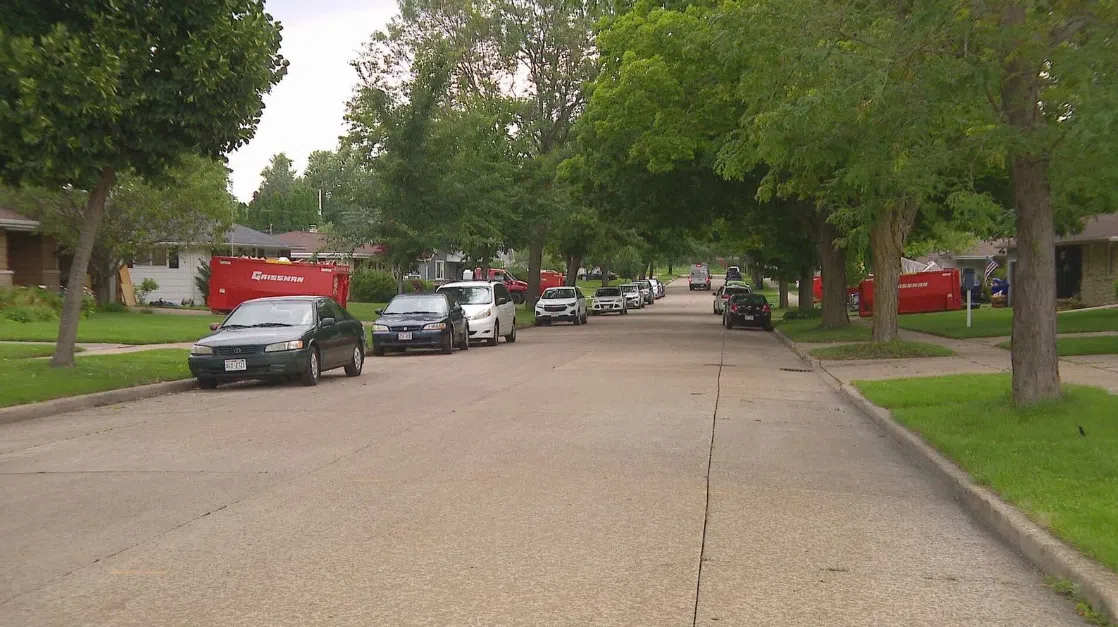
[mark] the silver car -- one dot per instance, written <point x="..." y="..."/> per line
<point x="633" y="297"/>
<point x="646" y="291"/>
<point x="657" y="288"/>
<point x="609" y="300"/>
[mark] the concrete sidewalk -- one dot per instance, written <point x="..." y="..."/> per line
<point x="95" y="348"/>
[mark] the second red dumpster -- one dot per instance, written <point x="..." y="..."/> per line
<point x="921" y="292"/>
<point x="233" y="280"/>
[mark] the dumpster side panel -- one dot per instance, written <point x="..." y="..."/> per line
<point x="921" y="292"/>
<point x="235" y="280"/>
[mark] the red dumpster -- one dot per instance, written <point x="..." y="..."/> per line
<point x="817" y="289"/>
<point x="920" y="292"/>
<point x="233" y="280"/>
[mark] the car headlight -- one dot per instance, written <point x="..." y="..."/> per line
<point x="482" y="315"/>
<point x="201" y="349"/>
<point x="434" y="326"/>
<point x="380" y="327"/>
<point x="293" y="345"/>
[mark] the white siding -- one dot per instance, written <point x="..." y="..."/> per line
<point x="175" y="284"/>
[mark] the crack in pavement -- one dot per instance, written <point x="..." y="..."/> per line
<point x="710" y="464"/>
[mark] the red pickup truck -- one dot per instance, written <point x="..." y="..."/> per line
<point x="518" y="288"/>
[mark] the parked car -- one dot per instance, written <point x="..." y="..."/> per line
<point x="516" y="287"/>
<point x="733" y="273"/>
<point x="596" y="275"/>
<point x="657" y="288"/>
<point x="609" y="300"/>
<point x="745" y="309"/>
<point x="725" y="292"/>
<point x="700" y="277"/>
<point x="561" y="304"/>
<point x="489" y="307"/>
<point x="421" y="321"/>
<point x="646" y="291"/>
<point x="633" y="297"/>
<point x="277" y="338"/>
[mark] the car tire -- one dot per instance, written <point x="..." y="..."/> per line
<point x="538" y="322"/>
<point x="313" y="372"/>
<point x="769" y="328"/>
<point x="496" y="334"/>
<point x="577" y="321"/>
<point x="378" y="351"/>
<point x="206" y="383"/>
<point x="517" y="297"/>
<point x="448" y="343"/>
<point x="625" y="311"/>
<point x="511" y="339"/>
<point x="356" y="361"/>
<point x="465" y="345"/>
<point x="729" y="324"/>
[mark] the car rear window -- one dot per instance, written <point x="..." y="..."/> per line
<point x="733" y="290"/>
<point x="750" y="299"/>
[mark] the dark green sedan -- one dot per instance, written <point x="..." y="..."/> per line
<point x="290" y="337"/>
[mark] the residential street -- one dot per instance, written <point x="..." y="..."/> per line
<point x="560" y="480"/>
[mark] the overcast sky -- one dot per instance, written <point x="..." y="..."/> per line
<point x="304" y="112"/>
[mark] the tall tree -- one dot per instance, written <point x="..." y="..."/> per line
<point x="284" y="201"/>
<point x="103" y="86"/>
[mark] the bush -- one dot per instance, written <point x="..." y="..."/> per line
<point x="797" y="314"/>
<point x="418" y="286"/>
<point x="33" y="304"/>
<point x="144" y="289"/>
<point x="372" y="286"/>
<point x="202" y="281"/>
<point x="113" y="308"/>
<point x="30" y="313"/>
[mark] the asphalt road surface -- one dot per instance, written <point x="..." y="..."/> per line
<point x="561" y="480"/>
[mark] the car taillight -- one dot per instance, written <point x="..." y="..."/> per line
<point x="766" y="309"/>
<point x="734" y="308"/>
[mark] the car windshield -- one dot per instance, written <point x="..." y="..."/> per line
<point x="607" y="291"/>
<point x="557" y="293"/>
<point x="504" y="275"/>
<point x="426" y="304"/>
<point x="271" y="313"/>
<point x="629" y="289"/>
<point x="749" y="299"/>
<point x="470" y="294"/>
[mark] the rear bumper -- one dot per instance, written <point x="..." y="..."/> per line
<point x="757" y="321"/>
<point x="419" y="339"/>
<point x="257" y="366"/>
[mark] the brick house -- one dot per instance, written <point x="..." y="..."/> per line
<point x="1087" y="262"/>
<point x="26" y="257"/>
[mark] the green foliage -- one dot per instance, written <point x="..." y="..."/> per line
<point x="882" y="350"/>
<point x="803" y="314"/>
<point x="31" y="381"/>
<point x="284" y="202"/>
<point x="144" y="289"/>
<point x="32" y="304"/>
<point x="372" y="286"/>
<point x="202" y="280"/>
<point x="112" y="307"/>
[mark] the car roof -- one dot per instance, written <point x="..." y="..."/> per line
<point x="469" y="284"/>
<point x="418" y="295"/>
<point x="277" y="299"/>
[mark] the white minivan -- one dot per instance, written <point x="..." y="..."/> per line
<point x="489" y="309"/>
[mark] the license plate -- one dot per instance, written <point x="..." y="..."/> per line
<point x="233" y="365"/>
<point x="748" y="317"/>
<point x="404" y="335"/>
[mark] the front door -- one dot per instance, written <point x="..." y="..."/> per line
<point x="1069" y="271"/>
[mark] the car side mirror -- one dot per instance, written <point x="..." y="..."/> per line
<point x="327" y="322"/>
<point x="502" y="301"/>
<point x="214" y="326"/>
<point x="380" y="312"/>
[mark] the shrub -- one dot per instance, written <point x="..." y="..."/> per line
<point x="144" y="289"/>
<point x="30" y="313"/>
<point x="797" y="314"/>
<point x="34" y="304"/>
<point x="418" y="286"/>
<point x="202" y="280"/>
<point x="372" y="286"/>
<point x="113" y="308"/>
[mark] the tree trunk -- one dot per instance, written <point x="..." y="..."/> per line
<point x="671" y="270"/>
<point x="833" y="260"/>
<point x="783" y="287"/>
<point x="605" y="274"/>
<point x="573" y="263"/>
<point x="1036" y="364"/>
<point x="535" y="262"/>
<point x="806" y="290"/>
<point x="102" y="274"/>
<point x="887" y="237"/>
<point x="758" y="272"/>
<point x="75" y="285"/>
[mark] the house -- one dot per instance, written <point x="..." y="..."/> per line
<point x="974" y="260"/>
<point x="175" y="267"/>
<point x="313" y="245"/>
<point x="26" y="257"/>
<point x="441" y="267"/>
<point x="1087" y="262"/>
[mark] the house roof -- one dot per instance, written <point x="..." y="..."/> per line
<point x="16" y="221"/>
<point x="241" y="235"/>
<point x="316" y="243"/>
<point x="1096" y="228"/>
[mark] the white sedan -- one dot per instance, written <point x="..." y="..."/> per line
<point x="562" y="304"/>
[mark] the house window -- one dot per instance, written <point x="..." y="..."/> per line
<point x="173" y="258"/>
<point x="159" y="256"/>
<point x="440" y="269"/>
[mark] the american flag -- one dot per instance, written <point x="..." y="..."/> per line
<point x="990" y="267"/>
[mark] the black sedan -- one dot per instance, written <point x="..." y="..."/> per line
<point x="747" y="310"/>
<point x="280" y="338"/>
<point x="421" y="321"/>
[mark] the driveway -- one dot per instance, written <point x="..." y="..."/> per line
<point x="561" y="480"/>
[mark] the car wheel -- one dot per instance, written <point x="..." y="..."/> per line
<point x="538" y="322"/>
<point x="496" y="334"/>
<point x="356" y="361"/>
<point x="378" y="351"/>
<point x="465" y="345"/>
<point x="207" y="384"/>
<point x="769" y="328"/>
<point x="314" y="369"/>
<point x="577" y="321"/>
<point x="624" y="312"/>
<point x="517" y="297"/>
<point x="511" y="339"/>
<point x="728" y="323"/>
<point x="448" y="343"/>
<point x="585" y="318"/>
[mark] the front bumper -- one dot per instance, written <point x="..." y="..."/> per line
<point x="568" y="315"/>
<point x="608" y="307"/>
<point x="483" y="327"/>
<point x="419" y="339"/>
<point x="260" y="365"/>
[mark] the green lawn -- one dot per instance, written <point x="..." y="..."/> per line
<point x="30" y="381"/>
<point x="882" y="350"/>
<point x="811" y="331"/>
<point x="366" y="312"/>
<point x="25" y="351"/>
<point x="116" y="328"/>
<point x="1035" y="458"/>
<point x="1094" y="345"/>
<point x="991" y="322"/>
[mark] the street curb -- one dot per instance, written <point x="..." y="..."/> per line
<point x="812" y="362"/>
<point x="30" y="411"/>
<point x="1096" y="583"/>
